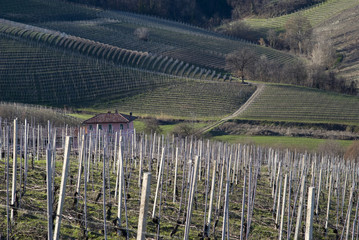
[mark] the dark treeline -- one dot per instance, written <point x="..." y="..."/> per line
<point x="205" y="13"/>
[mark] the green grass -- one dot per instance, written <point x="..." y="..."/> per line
<point x="300" y="143"/>
<point x="299" y="104"/>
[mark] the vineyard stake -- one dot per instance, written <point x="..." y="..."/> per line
<point x="62" y="187"/>
<point x="145" y="194"/>
<point x="49" y="194"/>
<point x="310" y="210"/>
<point x="300" y="208"/>
<point x="14" y="171"/>
<point x="190" y="202"/>
<point x="283" y="207"/>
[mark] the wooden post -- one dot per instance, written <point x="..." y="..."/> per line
<point x="146" y="190"/>
<point x="278" y="201"/>
<point x="62" y="188"/>
<point x="175" y="178"/>
<point x="26" y="135"/>
<point x="211" y="196"/>
<point x="318" y="194"/>
<point x="243" y="205"/>
<point x="120" y="182"/>
<point x="82" y="149"/>
<point x="349" y="213"/>
<point x="190" y="200"/>
<point x="283" y="207"/>
<point x="328" y="205"/>
<point x="49" y="193"/>
<point x="7" y="184"/>
<point x="104" y="192"/>
<point x="14" y="170"/>
<point x="158" y="183"/>
<point x="140" y="163"/>
<point x="86" y="173"/>
<point x="310" y="211"/>
<point x="119" y="166"/>
<point x="300" y="209"/>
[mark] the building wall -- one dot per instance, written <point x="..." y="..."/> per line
<point x="110" y="127"/>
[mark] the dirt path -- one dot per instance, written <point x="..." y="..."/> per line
<point x="259" y="90"/>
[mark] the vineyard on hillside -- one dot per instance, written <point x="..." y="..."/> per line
<point x="316" y="15"/>
<point x="89" y="186"/>
<point x="192" y="100"/>
<point x="169" y="40"/>
<point x="299" y="104"/>
<point x="34" y="74"/>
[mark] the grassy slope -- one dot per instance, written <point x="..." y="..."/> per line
<point x="185" y="100"/>
<point x="316" y="15"/>
<point x="37" y="74"/>
<point x="299" y="104"/>
<point x="300" y="143"/>
<point x="187" y="43"/>
<point x="31" y="11"/>
<point x="342" y="30"/>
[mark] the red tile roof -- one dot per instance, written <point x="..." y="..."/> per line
<point x="110" y="118"/>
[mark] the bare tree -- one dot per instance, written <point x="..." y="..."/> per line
<point x="272" y="38"/>
<point x="240" y="62"/>
<point x="323" y="54"/>
<point x="298" y="32"/>
<point x="142" y="33"/>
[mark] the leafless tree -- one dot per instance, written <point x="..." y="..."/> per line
<point x="142" y="33"/>
<point x="298" y="32"/>
<point x="240" y="62"/>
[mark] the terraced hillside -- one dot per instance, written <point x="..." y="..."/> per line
<point x="33" y="11"/>
<point x="192" y="45"/>
<point x="344" y="34"/>
<point x="33" y="73"/>
<point x="299" y="104"/>
<point x="316" y="15"/>
<point x="186" y="100"/>
<point x="97" y="50"/>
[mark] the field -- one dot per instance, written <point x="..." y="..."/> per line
<point x="189" y="100"/>
<point x="299" y="143"/>
<point x="201" y="190"/>
<point x="341" y="31"/>
<point x="316" y="15"/>
<point x="299" y="104"/>
<point x="169" y="41"/>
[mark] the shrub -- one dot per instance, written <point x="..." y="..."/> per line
<point x="183" y="130"/>
<point x="331" y="147"/>
<point x="152" y="126"/>
<point x="352" y="153"/>
<point x="142" y="33"/>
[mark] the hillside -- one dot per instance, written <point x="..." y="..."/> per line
<point x="190" y="100"/>
<point x="32" y="73"/>
<point x="315" y="14"/>
<point x="299" y="104"/>
<point x="192" y="45"/>
<point x="341" y="31"/>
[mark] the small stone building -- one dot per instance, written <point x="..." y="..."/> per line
<point x="110" y="122"/>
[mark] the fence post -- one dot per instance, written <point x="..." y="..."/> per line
<point x="49" y="193"/>
<point x="14" y="170"/>
<point x="190" y="202"/>
<point x="62" y="187"/>
<point x="145" y="194"/>
<point x="310" y="210"/>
